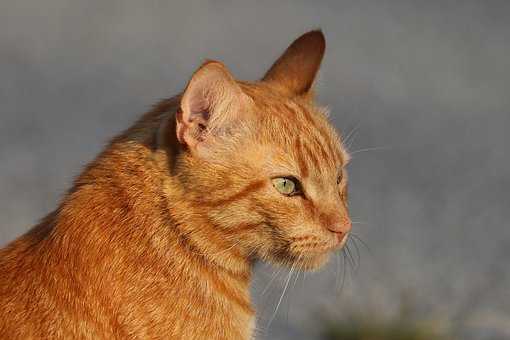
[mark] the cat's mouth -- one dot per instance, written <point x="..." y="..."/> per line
<point x="314" y="254"/>
<point x="317" y="246"/>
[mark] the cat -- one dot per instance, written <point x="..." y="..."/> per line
<point x="158" y="236"/>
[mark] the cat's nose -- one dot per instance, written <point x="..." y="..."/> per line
<point x="343" y="226"/>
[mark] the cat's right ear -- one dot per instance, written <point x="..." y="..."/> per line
<point x="296" y="69"/>
<point x="211" y="104"/>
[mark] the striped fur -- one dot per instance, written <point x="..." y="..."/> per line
<point x="155" y="241"/>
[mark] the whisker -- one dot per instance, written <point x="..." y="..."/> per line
<point x="350" y="257"/>
<point x="337" y="274"/>
<point x="357" y="238"/>
<point x="344" y="271"/>
<point x="292" y="290"/>
<point x="350" y="135"/>
<point x="281" y="297"/>
<point x="356" y="248"/>
<point x="298" y="271"/>
<point x="275" y="274"/>
<point x="369" y="149"/>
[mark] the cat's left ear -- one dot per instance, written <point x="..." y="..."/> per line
<point x="296" y="69"/>
<point x="211" y="105"/>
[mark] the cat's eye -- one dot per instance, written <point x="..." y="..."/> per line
<point x="287" y="186"/>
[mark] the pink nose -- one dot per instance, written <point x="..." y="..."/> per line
<point x="341" y="227"/>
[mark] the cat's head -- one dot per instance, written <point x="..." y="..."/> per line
<point x="263" y="163"/>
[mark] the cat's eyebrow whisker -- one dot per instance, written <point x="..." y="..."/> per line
<point x="350" y="135"/>
<point x="370" y="149"/>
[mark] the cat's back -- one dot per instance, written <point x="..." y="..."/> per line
<point x="42" y="273"/>
<point x="24" y="297"/>
<point x="20" y="263"/>
<point x="31" y="295"/>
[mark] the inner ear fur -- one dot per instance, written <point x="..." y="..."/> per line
<point x="211" y="103"/>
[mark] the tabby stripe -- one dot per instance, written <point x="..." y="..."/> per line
<point x="322" y="132"/>
<point x="301" y="161"/>
<point x="322" y="151"/>
<point x="312" y="156"/>
<point x="310" y="207"/>
<point x="254" y="186"/>
<point x="246" y="227"/>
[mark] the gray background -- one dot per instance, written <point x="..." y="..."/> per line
<point x="426" y="81"/>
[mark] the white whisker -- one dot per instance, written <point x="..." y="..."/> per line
<point x="281" y="297"/>
<point x="275" y="274"/>
<point x="370" y="149"/>
<point x="344" y="272"/>
<point x="350" y="135"/>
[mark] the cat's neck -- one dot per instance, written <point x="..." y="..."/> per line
<point x="126" y="236"/>
<point x="127" y="206"/>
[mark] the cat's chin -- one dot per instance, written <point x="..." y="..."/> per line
<point x="311" y="263"/>
<point x="304" y="263"/>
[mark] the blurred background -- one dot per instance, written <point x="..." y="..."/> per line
<point x="422" y="87"/>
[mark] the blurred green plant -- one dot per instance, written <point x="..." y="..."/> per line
<point x="357" y="328"/>
<point x="406" y="325"/>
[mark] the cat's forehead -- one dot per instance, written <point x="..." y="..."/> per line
<point x="300" y="133"/>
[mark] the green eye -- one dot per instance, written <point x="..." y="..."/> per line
<point x="286" y="186"/>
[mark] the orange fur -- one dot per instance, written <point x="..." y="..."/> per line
<point x="158" y="235"/>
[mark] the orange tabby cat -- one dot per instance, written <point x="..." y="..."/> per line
<point x="158" y="235"/>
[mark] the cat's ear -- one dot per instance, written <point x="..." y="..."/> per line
<point x="211" y="104"/>
<point x="297" y="67"/>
